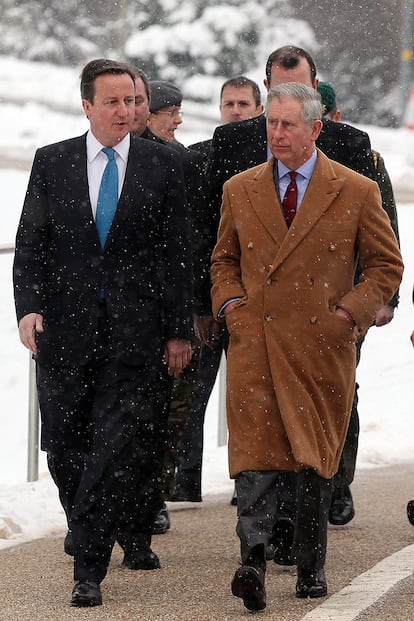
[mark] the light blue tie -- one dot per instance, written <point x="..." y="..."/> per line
<point x="108" y="196"/>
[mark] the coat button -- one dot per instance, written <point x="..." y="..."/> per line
<point x="310" y="281"/>
<point x="250" y="245"/>
<point x="313" y="319"/>
<point x="269" y="318"/>
<point x="269" y="281"/>
<point x="332" y="247"/>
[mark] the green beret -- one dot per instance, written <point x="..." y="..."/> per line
<point x="328" y="97"/>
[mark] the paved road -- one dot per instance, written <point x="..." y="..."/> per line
<point x="200" y="554"/>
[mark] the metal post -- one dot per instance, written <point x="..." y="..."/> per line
<point x="33" y="427"/>
<point x="406" y="54"/>
<point x="222" y="420"/>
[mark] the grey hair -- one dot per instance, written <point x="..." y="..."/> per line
<point x="307" y="96"/>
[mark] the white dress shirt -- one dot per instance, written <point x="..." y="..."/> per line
<point x="97" y="161"/>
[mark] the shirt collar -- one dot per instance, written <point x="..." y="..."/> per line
<point x="93" y="147"/>
<point x="306" y="170"/>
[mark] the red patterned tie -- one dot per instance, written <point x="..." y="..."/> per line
<point x="290" y="200"/>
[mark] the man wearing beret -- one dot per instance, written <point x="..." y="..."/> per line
<point x="163" y="118"/>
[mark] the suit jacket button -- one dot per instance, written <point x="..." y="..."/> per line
<point x="250" y="245"/>
<point x="313" y="319"/>
<point x="332" y="247"/>
<point x="269" y="281"/>
<point x="269" y="318"/>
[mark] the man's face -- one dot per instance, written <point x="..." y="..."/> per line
<point x="164" y="122"/>
<point x="290" y="139"/>
<point x="112" y="111"/>
<point x="238" y="103"/>
<point x="141" y="115"/>
<point x="301" y="73"/>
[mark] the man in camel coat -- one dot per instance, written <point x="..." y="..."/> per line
<point x="293" y="314"/>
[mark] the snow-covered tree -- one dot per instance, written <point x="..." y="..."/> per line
<point x="178" y="39"/>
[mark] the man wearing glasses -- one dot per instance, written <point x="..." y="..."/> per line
<point x="165" y="109"/>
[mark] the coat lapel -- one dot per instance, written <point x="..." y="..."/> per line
<point x="264" y="200"/>
<point x="322" y="190"/>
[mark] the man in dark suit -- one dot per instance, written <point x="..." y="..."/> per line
<point x="109" y="321"/>
<point x="239" y="146"/>
<point x="240" y="99"/>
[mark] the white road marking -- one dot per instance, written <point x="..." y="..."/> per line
<point x="366" y="589"/>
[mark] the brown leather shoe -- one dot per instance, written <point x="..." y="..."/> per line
<point x="248" y="583"/>
<point x="311" y="583"/>
<point x="86" y="593"/>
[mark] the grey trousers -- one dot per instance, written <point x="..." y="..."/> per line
<point x="258" y="499"/>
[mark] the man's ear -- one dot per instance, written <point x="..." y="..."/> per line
<point x="316" y="129"/>
<point x="86" y="105"/>
<point x="267" y="85"/>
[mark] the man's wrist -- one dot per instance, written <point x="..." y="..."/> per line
<point x="342" y="312"/>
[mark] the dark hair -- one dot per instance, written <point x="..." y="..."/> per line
<point x="98" y="67"/>
<point x="139" y="73"/>
<point x="241" y="80"/>
<point x="289" y="57"/>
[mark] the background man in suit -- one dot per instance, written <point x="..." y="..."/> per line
<point x="106" y="309"/>
<point x="293" y="315"/>
<point x="240" y="99"/>
<point x="342" y="508"/>
<point x="339" y="141"/>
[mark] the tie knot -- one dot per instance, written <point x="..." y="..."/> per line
<point x="293" y="174"/>
<point x="109" y="152"/>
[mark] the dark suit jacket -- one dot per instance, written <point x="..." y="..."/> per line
<point x="243" y="144"/>
<point x="200" y="221"/>
<point x="145" y="265"/>
<point x="203" y="147"/>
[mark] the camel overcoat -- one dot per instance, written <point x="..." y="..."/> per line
<point x="291" y="359"/>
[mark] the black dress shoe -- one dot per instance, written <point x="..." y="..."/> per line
<point x="311" y="583"/>
<point x="282" y="541"/>
<point x="141" y="557"/>
<point x="410" y="511"/>
<point x="161" y="522"/>
<point x="342" y="507"/>
<point x="184" y="495"/>
<point x="248" y="583"/>
<point x="86" y="593"/>
<point x="68" y="544"/>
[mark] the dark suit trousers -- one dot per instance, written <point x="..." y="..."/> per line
<point x="103" y="427"/>
<point x="347" y="463"/>
<point x="258" y="497"/>
<point x="190" y="458"/>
